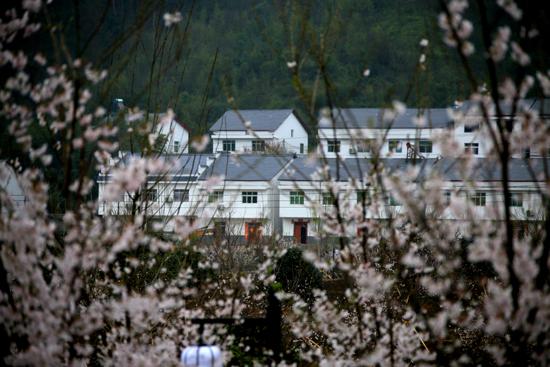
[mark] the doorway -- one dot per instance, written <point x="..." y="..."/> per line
<point x="300" y="232"/>
<point x="252" y="232"/>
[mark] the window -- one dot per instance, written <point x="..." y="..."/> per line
<point x="424" y="146"/>
<point x="391" y="201"/>
<point x="181" y="195"/>
<point x="151" y="195"/>
<point x="470" y="128"/>
<point x="359" y="147"/>
<point x="516" y="199"/>
<point x="479" y="198"/>
<point x="296" y="198"/>
<point x="291" y="133"/>
<point x="258" y="145"/>
<point x="472" y="148"/>
<point x="363" y="196"/>
<point x="250" y="197"/>
<point x="334" y="146"/>
<point x="215" y="196"/>
<point x="447" y="196"/>
<point x="328" y="199"/>
<point x="395" y="146"/>
<point x="176" y="146"/>
<point x="228" y="145"/>
<point x="301" y="148"/>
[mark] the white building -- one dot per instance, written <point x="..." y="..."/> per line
<point x="174" y="135"/>
<point x="256" y="130"/>
<point x="358" y="132"/>
<point x="10" y="185"/>
<point x="474" y="136"/>
<point x="172" y="193"/>
<point x="304" y="192"/>
<point x="245" y="202"/>
<point x="249" y="195"/>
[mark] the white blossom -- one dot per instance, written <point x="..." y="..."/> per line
<point x="172" y="18"/>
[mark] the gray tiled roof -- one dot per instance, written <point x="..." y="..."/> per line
<point x="485" y="170"/>
<point x="188" y="164"/>
<point x="352" y="118"/>
<point x="260" y="120"/>
<point x="302" y="168"/>
<point x="540" y="105"/>
<point x="184" y="165"/>
<point x="246" y="167"/>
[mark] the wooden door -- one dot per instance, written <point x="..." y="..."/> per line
<point x="300" y="232"/>
<point x="252" y="232"/>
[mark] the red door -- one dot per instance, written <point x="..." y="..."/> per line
<point x="252" y="231"/>
<point x="300" y="232"/>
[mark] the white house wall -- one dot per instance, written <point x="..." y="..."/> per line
<point x="174" y="133"/>
<point x="232" y="210"/>
<point x="243" y="141"/>
<point x="379" y="135"/>
<point x="291" y="134"/>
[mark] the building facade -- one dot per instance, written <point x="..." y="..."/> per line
<point x="244" y="191"/>
<point x="259" y="131"/>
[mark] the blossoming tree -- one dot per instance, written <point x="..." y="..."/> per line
<point x="77" y="288"/>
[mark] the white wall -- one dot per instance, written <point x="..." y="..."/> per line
<point x="243" y="141"/>
<point x="379" y="140"/>
<point x="291" y="134"/>
<point x="11" y="186"/>
<point x="174" y="133"/>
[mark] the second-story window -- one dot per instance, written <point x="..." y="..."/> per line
<point x="479" y="198"/>
<point x="228" y="145"/>
<point x="151" y="195"/>
<point x="258" y="145"/>
<point x="516" y="199"/>
<point x="291" y="133"/>
<point x="176" y="146"/>
<point x="392" y="201"/>
<point x="472" y="148"/>
<point x="447" y="197"/>
<point x="363" y="197"/>
<point x="250" y="197"/>
<point x="181" y="195"/>
<point x="328" y="199"/>
<point x="471" y="128"/>
<point x="296" y="197"/>
<point x="425" y="146"/>
<point x="360" y="147"/>
<point x="334" y="146"/>
<point x="215" y="196"/>
<point x="395" y="146"/>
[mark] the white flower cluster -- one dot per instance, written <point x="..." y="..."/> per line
<point x="457" y="29"/>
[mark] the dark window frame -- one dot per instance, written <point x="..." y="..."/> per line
<point x="228" y="145"/>
<point x="258" y="146"/>
<point x="181" y="195"/>
<point x="333" y="146"/>
<point x="425" y="146"/>
<point x="297" y="198"/>
<point x="215" y="196"/>
<point x="249" y="197"/>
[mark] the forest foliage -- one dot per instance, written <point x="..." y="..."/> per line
<point x="239" y="50"/>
